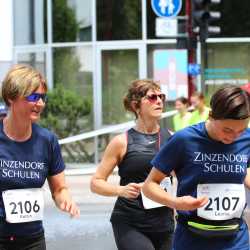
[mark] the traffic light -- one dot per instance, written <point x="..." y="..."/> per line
<point x="203" y="16"/>
<point x="185" y="41"/>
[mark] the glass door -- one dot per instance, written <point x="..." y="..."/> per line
<point x="119" y="66"/>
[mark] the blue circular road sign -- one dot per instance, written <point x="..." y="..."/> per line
<point x="166" y="8"/>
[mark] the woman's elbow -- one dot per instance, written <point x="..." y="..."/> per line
<point x="93" y="185"/>
<point x="247" y="184"/>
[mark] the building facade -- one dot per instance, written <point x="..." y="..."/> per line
<point x="96" y="47"/>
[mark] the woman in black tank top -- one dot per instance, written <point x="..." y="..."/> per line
<point x="134" y="226"/>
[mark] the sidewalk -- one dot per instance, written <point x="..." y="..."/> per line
<point x="80" y="168"/>
<point x="92" y="231"/>
<point x="79" y="186"/>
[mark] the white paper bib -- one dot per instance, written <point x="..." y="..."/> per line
<point x="166" y="185"/>
<point x="23" y="205"/>
<point x="226" y="201"/>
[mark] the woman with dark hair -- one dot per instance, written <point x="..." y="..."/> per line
<point x="134" y="226"/>
<point x="181" y="119"/>
<point x="211" y="174"/>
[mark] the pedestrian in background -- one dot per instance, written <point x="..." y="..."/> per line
<point x="182" y="118"/>
<point x="134" y="227"/>
<point x="211" y="161"/>
<point x="200" y="110"/>
<point x="29" y="154"/>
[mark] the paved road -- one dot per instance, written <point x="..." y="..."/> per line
<point x="92" y="231"/>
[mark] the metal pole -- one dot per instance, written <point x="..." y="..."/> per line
<point x="191" y="50"/>
<point x="205" y="55"/>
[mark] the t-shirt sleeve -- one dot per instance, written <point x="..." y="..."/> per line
<point x="169" y="157"/>
<point x="56" y="165"/>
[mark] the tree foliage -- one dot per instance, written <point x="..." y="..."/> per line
<point x="65" y="25"/>
<point x="64" y="112"/>
<point x="118" y="20"/>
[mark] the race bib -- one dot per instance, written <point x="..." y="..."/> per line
<point x="166" y="185"/>
<point x="226" y="201"/>
<point x="23" y="205"/>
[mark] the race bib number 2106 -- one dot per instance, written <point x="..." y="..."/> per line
<point x="23" y="205"/>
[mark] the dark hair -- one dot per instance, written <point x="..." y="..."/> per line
<point x="183" y="100"/>
<point x="137" y="90"/>
<point x="230" y="102"/>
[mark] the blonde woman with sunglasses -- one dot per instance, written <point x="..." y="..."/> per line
<point x="29" y="154"/>
<point x="136" y="226"/>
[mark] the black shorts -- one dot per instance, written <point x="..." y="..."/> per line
<point x="130" y="238"/>
<point x="36" y="242"/>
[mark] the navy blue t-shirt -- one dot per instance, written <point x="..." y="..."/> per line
<point x="27" y="165"/>
<point x="198" y="159"/>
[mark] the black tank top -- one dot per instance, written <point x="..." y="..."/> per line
<point x="135" y="167"/>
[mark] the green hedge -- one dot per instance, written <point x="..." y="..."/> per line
<point x="65" y="112"/>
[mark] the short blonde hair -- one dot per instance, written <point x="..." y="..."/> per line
<point x="20" y="81"/>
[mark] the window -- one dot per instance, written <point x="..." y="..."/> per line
<point x="73" y="71"/>
<point x="119" y="68"/>
<point x="234" y="20"/>
<point x="227" y="64"/>
<point x="72" y="20"/>
<point x="118" y="19"/>
<point x="30" y="22"/>
<point x="36" y="60"/>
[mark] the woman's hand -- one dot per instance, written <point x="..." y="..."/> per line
<point x="130" y="191"/>
<point x="65" y="203"/>
<point x="61" y="195"/>
<point x="189" y="202"/>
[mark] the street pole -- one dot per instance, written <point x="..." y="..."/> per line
<point x="191" y="39"/>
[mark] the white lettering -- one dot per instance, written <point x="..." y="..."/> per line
<point x="198" y="157"/>
<point x="10" y="173"/>
<point x="22" y="165"/>
<point x="223" y="168"/>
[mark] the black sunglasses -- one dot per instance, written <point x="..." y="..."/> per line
<point x="35" y="97"/>
<point x="154" y="97"/>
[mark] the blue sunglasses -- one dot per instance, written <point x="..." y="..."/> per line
<point x="35" y="97"/>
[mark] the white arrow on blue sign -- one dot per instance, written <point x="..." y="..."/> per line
<point x="166" y="8"/>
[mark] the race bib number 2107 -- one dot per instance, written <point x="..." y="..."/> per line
<point x="225" y="201"/>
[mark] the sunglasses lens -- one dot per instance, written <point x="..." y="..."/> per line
<point x="153" y="97"/>
<point x="32" y="98"/>
<point x="36" y="97"/>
